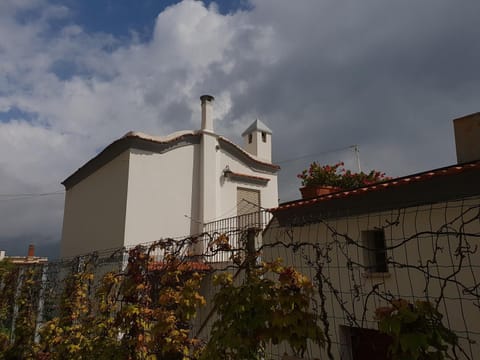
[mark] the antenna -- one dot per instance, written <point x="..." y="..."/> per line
<point x="357" y="157"/>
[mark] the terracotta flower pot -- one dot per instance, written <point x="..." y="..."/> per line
<point x="313" y="191"/>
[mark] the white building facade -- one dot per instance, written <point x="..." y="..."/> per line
<point x="142" y="188"/>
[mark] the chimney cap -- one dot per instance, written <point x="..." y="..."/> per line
<point x="204" y="98"/>
<point x="467" y="132"/>
<point x="31" y="250"/>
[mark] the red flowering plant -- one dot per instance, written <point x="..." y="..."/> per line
<point x="327" y="175"/>
<point x="354" y="180"/>
<point x="337" y="176"/>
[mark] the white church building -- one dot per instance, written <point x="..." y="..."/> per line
<point x="142" y="188"/>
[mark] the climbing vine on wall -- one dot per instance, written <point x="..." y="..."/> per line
<point x="8" y="283"/>
<point x="18" y="309"/>
<point x="143" y="312"/>
<point x="271" y="306"/>
<point x="141" y="303"/>
<point x="416" y="330"/>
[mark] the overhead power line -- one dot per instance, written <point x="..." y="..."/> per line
<point x="22" y="196"/>
<point x="34" y="194"/>
<point x="316" y="154"/>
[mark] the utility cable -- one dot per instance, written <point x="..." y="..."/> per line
<point x="316" y="154"/>
<point x="23" y="196"/>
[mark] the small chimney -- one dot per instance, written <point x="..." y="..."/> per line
<point x="207" y="119"/>
<point x="467" y="137"/>
<point x="31" y="250"/>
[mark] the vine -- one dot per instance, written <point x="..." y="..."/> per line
<point x="141" y="313"/>
<point x="20" y="295"/>
<point x="262" y="310"/>
<point x="145" y="309"/>
<point x="8" y="283"/>
<point x="416" y="330"/>
<point x="68" y="336"/>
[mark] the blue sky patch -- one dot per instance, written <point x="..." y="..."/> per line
<point x="15" y="113"/>
<point x="121" y="17"/>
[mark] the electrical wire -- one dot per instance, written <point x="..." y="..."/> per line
<point x="316" y="154"/>
<point x="22" y="196"/>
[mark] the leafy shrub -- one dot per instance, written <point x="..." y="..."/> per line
<point x="416" y="330"/>
<point x="262" y="310"/>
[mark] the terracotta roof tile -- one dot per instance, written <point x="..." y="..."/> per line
<point x="403" y="181"/>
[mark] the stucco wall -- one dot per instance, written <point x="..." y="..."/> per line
<point x="94" y="214"/>
<point x="163" y="188"/>
<point x="228" y="187"/>
<point x="142" y="195"/>
<point x="412" y="237"/>
<point x="162" y="194"/>
<point x="258" y="147"/>
<point x="209" y="195"/>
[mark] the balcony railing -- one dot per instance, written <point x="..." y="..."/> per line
<point x="230" y="234"/>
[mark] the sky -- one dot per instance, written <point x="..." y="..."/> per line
<point x="388" y="76"/>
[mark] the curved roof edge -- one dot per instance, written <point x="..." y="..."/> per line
<point x="130" y="140"/>
<point x="246" y="157"/>
<point x="160" y="144"/>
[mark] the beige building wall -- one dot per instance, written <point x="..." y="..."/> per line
<point x="228" y="188"/>
<point x="412" y="234"/>
<point x="163" y="193"/>
<point x="260" y="145"/>
<point x="170" y="188"/>
<point x="209" y="180"/>
<point x="94" y="214"/>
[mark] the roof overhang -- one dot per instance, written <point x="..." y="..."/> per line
<point x="246" y="178"/>
<point x="435" y="186"/>
<point x="129" y="141"/>
<point x="246" y="158"/>
<point x="133" y="140"/>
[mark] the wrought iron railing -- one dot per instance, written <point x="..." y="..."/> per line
<point x="230" y="233"/>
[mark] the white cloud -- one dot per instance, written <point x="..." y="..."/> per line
<point x="105" y="89"/>
<point x="323" y="75"/>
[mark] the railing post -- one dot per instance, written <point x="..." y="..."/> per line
<point x="251" y="250"/>
<point x="41" y="303"/>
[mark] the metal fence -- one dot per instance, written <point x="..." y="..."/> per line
<point x="357" y="264"/>
<point x="365" y="262"/>
<point x="229" y="234"/>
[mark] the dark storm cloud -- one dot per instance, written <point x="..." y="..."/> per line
<point x="322" y="74"/>
<point x="389" y="76"/>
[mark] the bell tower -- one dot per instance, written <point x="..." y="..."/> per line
<point x="257" y="141"/>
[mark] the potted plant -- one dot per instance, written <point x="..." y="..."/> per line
<point x="320" y="180"/>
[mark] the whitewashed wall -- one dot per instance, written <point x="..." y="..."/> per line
<point x="142" y="196"/>
<point x="163" y="193"/>
<point x="228" y="187"/>
<point x="94" y="214"/>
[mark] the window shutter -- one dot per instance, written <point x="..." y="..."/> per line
<point x="248" y="207"/>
